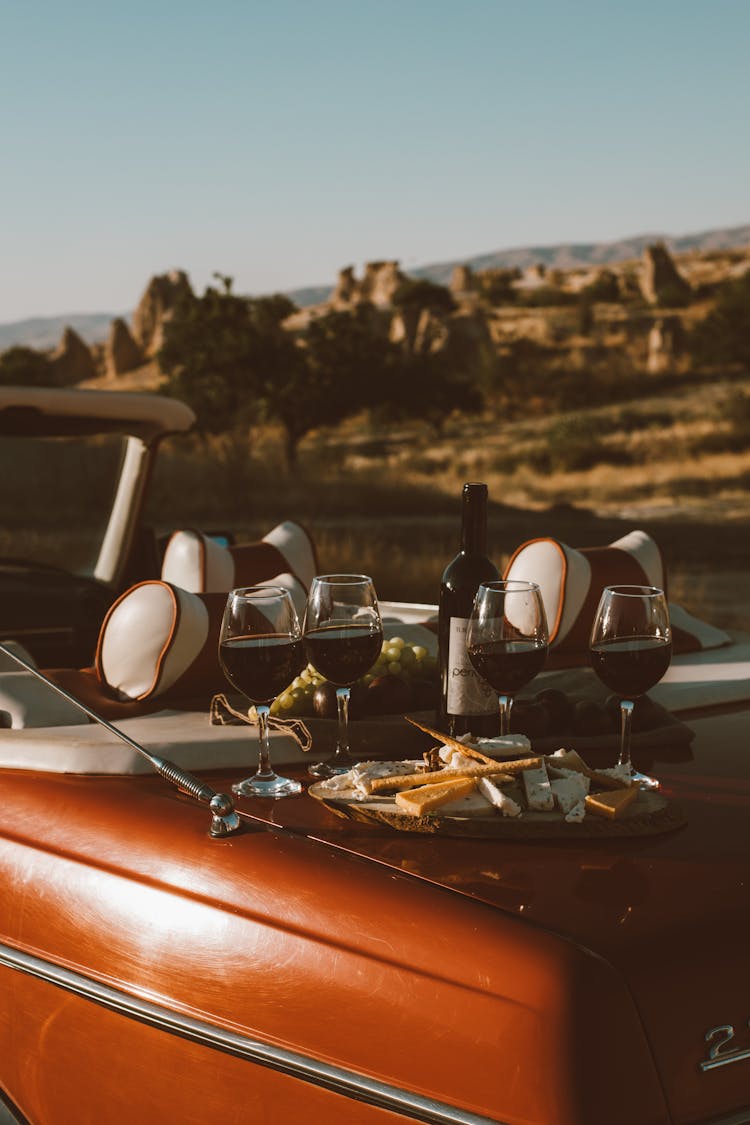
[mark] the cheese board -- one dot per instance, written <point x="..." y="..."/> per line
<point x="650" y="814"/>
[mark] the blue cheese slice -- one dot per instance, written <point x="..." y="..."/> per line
<point x="569" y="791"/>
<point x="577" y="813"/>
<point x="536" y="787"/>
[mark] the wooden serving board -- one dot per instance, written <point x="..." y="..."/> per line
<point x="649" y="815"/>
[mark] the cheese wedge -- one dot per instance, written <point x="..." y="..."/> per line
<point x="612" y="805"/>
<point x="427" y="798"/>
<point x="571" y="760"/>
<point x="536" y="786"/>
<point x="499" y="800"/>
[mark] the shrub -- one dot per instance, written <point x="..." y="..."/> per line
<point x="423" y="294"/>
<point x="724" y="335"/>
<point x="546" y="296"/>
<point x="574" y="444"/>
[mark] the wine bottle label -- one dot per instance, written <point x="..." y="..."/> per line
<point x="468" y="693"/>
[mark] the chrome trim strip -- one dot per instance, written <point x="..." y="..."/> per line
<point x="340" y="1081"/>
<point x="725" y="1059"/>
<point x="741" y="1118"/>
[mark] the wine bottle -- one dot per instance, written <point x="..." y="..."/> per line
<point x="467" y="702"/>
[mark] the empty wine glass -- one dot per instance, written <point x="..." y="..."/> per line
<point x="507" y="638"/>
<point x="260" y="652"/>
<point x="343" y="636"/>
<point x="631" y="647"/>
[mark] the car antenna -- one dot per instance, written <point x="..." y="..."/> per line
<point x="224" y="818"/>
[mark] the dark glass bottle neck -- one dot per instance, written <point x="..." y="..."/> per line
<point x="474" y="519"/>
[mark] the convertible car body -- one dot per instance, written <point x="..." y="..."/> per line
<point x="308" y="967"/>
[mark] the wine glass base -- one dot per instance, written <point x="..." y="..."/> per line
<point x="644" y="781"/>
<point x="329" y="769"/>
<point x="267" y="787"/>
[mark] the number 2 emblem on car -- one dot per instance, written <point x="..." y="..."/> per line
<point x="719" y="1054"/>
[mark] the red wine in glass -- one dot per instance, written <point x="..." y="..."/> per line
<point x="631" y="666"/>
<point x="343" y="637"/>
<point x="343" y="653"/>
<point x="260" y="652"/>
<point x="507" y="638"/>
<point x="508" y="665"/>
<point x="261" y="667"/>
<point x="630" y="650"/>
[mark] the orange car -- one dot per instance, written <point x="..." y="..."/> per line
<point x="300" y="965"/>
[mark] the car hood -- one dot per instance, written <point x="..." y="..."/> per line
<point x="668" y="912"/>
<point x="659" y="921"/>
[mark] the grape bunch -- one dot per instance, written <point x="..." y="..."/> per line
<point x="403" y="677"/>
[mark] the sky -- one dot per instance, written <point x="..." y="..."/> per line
<point x="277" y="141"/>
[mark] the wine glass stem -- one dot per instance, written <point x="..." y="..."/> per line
<point x="626" y="714"/>
<point x="505" y="702"/>
<point x="264" y="762"/>
<point x="342" y="741"/>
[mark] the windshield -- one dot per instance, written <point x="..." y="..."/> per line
<point x="56" y="494"/>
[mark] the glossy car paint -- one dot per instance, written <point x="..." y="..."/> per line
<point x="295" y="942"/>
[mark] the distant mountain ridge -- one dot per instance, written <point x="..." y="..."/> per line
<point x="572" y="255"/>
<point x="45" y="332"/>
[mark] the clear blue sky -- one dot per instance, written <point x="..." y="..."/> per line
<point x="279" y="140"/>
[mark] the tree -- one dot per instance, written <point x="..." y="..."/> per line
<point x="26" y="367"/>
<point x="342" y="365"/>
<point x="423" y="294"/>
<point x="233" y="362"/>
<point x="221" y="350"/>
<point x="428" y="386"/>
<point x="723" y="336"/>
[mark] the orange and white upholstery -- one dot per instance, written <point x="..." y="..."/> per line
<point x="160" y="640"/>
<point x="572" y="582"/>
<point x="285" y="557"/>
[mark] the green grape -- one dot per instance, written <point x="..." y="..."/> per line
<point x="397" y="658"/>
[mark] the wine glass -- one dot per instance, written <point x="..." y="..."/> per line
<point x="260" y="652"/>
<point x="507" y="638"/>
<point x="631" y="647"/>
<point x="343" y="636"/>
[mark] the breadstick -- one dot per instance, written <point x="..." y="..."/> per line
<point x="500" y="772"/>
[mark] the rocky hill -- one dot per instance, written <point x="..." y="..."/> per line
<point x="93" y="328"/>
<point x="565" y="256"/>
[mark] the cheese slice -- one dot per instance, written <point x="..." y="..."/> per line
<point x="577" y="813"/>
<point x="571" y="760"/>
<point x="501" y="801"/>
<point x="569" y="791"/>
<point x="427" y="798"/>
<point x="536" y="787"/>
<point x="471" y="804"/>
<point x="613" y="804"/>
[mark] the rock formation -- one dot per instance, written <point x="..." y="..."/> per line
<point x="661" y="281"/>
<point x="379" y="283"/>
<point x="462" y="281"/>
<point x="121" y="353"/>
<point x="161" y="295"/>
<point x="72" y="359"/>
<point x="666" y="342"/>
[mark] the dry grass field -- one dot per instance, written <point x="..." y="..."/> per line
<point x="386" y="502"/>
